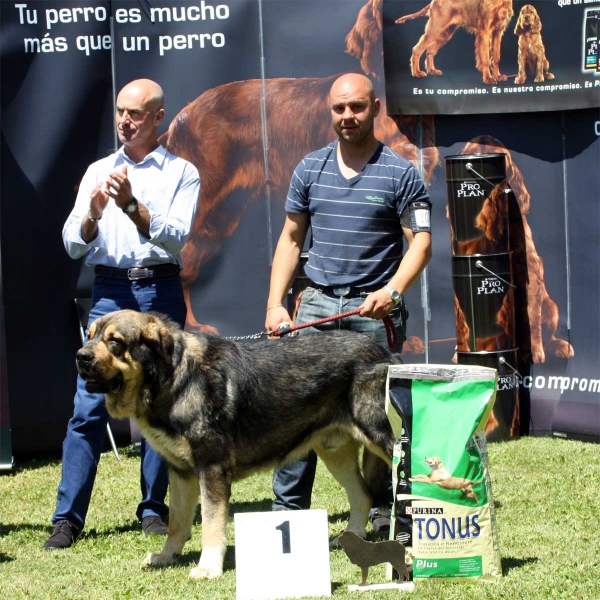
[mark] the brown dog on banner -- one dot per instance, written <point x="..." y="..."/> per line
<point x="486" y="19"/>
<point x="532" y="53"/>
<point x="537" y="315"/>
<point x="220" y="134"/>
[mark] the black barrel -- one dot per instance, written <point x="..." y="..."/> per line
<point x="486" y="301"/>
<point x="477" y="203"/>
<point x="505" y="422"/>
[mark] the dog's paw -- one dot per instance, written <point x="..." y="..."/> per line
<point x="538" y="355"/>
<point x="562" y="349"/>
<point x="157" y="560"/>
<point x="414" y="345"/>
<point x="211" y="563"/>
<point x="205" y="573"/>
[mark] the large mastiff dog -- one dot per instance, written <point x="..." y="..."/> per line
<point x="218" y="410"/>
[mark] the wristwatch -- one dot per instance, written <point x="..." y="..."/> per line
<point x="393" y="293"/>
<point x="131" y="207"/>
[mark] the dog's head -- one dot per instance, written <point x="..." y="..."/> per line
<point x="528" y="21"/>
<point x="364" y="40"/>
<point x="490" y="218"/>
<point x="126" y="350"/>
<point x="487" y="144"/>
<point x="433" y="462"/>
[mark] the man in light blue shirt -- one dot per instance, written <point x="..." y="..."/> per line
<point x="132" y="216"/>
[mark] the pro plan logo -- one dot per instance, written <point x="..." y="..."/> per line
<point x="377" y="199"/>
<point x="490" y="285"/>
<point x="469" y="190"/>
<point x="507" y="382"/>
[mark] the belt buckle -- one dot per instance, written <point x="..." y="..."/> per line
<point x="144" y="273"/>
<point x="341" y="290"/>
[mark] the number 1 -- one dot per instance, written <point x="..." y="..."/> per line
<point x="285" y="537"/>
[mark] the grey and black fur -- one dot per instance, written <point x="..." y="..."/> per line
<point x="219" y="410"/>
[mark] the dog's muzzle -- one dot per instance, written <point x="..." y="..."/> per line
<point x="93" y="383"/>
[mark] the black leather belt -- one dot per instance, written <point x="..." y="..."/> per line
<point x="136" y="273"/>
<point x="346" y="291"/>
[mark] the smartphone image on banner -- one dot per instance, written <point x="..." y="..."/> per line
<point x="591" y="35"/>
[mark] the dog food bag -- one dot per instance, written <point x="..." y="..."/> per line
<point x="443" y="511"/>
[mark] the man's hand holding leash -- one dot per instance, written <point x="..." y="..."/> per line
<point x="277" y="315"/>
<point x="377" y="305"/>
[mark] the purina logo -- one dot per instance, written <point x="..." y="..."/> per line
<point x="415" y="510"/>
<point x="375" y="199"/>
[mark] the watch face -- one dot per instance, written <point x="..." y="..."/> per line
<point x="394" y="294"/>
<point x="132" y="207"/>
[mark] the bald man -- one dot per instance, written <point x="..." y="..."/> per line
<point x="132" y="216"/>
<point x="360" y="199"/>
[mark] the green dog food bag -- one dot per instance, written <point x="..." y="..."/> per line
<point x="443" y="510"/>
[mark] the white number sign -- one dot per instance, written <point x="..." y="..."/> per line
<point x="282" y="554"/>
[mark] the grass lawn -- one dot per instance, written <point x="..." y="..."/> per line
<point x="546" y="494"/>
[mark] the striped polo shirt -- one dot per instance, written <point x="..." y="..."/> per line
<point x="356" y="230"/>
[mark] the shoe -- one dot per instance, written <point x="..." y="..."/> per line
<point x="154" y="526"/>
<point x="380" y="521"/>
<point x="63" y="536"/>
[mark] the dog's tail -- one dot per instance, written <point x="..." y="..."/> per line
<point x="376" y="475"/>
<point x="423" y="12"/>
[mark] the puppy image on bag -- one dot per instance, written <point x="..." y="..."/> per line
<point x="444" y="479"/>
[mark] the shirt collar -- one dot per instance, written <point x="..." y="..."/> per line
<point x="157" y="155"/>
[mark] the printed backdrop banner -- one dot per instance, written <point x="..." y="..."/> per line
<point x="477" y="58"/>
<point x="246" y="85"/>
<point x="56" y="119"/>
<point x="577" y="413"/>
<point x="553" y="217"/>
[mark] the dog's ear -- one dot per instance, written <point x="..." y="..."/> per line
<point x="364" y="40"/>
<point x="490" y="219"/>
<point x="157" y="336"/>
<point x="516" y="183"/>
<point x="485" y="144"/>
<point x="519" y="28"/>
<point x="537" y="22"/>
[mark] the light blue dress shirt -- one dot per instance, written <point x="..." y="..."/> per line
<point x="167" y="185"/>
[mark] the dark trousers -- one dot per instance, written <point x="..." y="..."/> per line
<point x="292" y="483"/>
<point x="86" y="430"/>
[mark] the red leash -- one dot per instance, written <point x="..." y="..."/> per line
<point x="390" y="328"/>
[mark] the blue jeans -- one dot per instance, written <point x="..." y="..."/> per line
<point x="86" y="430"/>
<point x="292" y="483"/>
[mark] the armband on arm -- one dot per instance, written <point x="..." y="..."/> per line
<point x="420" y="216"/>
